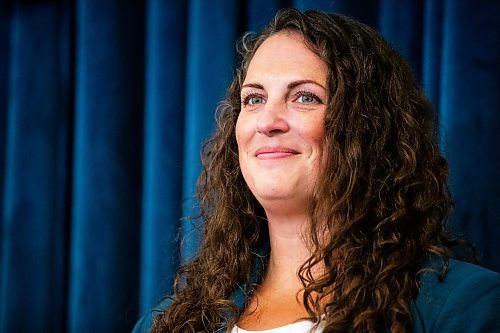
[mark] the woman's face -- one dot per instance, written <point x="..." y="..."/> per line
<point x="280" y="129"/>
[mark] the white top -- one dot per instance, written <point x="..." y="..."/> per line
<point x="298" y="327"/>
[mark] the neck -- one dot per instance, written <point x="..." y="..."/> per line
<point x="289" y="249"/>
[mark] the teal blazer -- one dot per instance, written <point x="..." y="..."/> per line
<point x="466" y="300"/>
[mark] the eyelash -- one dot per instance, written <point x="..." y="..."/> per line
<point x="246" y="98"/>
<point x="308" y="94"/>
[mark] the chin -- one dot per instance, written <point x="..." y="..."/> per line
<point x="277" y="195"/>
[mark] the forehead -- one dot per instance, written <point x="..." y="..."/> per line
<point x="286" y="53"/>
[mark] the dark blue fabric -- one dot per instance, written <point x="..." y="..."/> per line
<point x="401" y="23"/>
<point x="165" y="65"/>
<point x="442" y="306"/>
<point x="107" y="166"/>
<point x="431" y="50"/>
<point x="213" y="31"/>
<point x="104" y="106"/>
<point x="33" y="271"/>
<point x="260" y="12"/>
<point x="5" y="23"/>
<point x="470" y="120"/>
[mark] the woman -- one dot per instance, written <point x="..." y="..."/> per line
<point x="324" y="197"/>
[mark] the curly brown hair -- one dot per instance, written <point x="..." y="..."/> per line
<point x="383" y="197"/>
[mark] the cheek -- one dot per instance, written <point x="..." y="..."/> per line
<point x="316" y="140"/>
<point x="318" y="134"/>
<point x="314" y="131"/>
<point x="241" y="132"/>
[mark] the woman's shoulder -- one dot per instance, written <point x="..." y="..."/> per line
<point x="467" y="299"/>
<point x="145" y="323"/>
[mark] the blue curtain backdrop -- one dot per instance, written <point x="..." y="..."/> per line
<point x="104" y="106"/>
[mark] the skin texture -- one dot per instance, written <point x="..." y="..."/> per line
<point x="280" y="129"/>
<point x="280" y="135"/>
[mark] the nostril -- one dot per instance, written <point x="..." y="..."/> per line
<point x="271" y="122"/>
<point x="273" y="128"/>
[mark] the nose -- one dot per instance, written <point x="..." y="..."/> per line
<point x="272" y="119"/>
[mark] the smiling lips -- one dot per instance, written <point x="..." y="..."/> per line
<point x="273" y="153"/>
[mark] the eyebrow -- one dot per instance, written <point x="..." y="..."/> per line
<point x="290" y="85"/>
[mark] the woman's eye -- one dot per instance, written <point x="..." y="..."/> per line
<point x="253" y="100"/>
<point x="308" y="98"/>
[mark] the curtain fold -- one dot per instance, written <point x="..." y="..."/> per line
<point x="5" y="27"/>
<point x="166" y="45"/>
<point x="431" y="49"/>
<point x="35" y="140"/>
<point x="470" y="120"/>
<point x="260" y="12"/>
<point x="104" y="108"/>
<point x="210" y="62"/>
<point x="401" y="23"/>
<point x="107" y="164"/>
